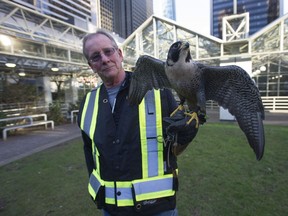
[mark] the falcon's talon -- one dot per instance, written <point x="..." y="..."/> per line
<point x="179" y="108"/>
<point x="193" y="115"/>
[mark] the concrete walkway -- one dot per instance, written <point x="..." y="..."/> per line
<point x="32" y="141"/>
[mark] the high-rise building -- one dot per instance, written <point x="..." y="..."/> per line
<point x="80" y="13"/>
<point x="261" y="13"/>
<point x="123" y="16"/>
<point x="165" y="8"/>
<point x="40" y="39"/>
<point x="41" y="42"/>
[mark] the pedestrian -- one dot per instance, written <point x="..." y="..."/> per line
<point x="129" y="148"/>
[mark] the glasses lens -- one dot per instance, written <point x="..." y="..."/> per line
<point x="95" y="58"/>
<point x="106" y="51"/>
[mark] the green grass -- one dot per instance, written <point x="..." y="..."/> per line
<point x="218" y="174"/>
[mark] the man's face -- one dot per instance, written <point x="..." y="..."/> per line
<point x="104" y="59"/>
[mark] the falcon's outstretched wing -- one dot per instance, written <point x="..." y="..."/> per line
<point x="233" y="89"/>
<point x="149" y="73"/>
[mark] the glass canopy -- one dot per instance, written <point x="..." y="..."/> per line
<point x="267" y="50"/>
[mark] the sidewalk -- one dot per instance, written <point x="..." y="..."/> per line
<point x="32" y="141"/>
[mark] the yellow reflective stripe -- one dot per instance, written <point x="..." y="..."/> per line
<point x="91" y="191"/>
<point x="159" y="132"/>
<point x="124" y="184"/>
<point x="128" y="202"/>
<point x="95" y="181"/>
<point x="154" y="187"/>
<point x="110" y="201"/>
<point x="109" y="184"/>
<point x="167" y="176"/>
<point x="155" y="195"/>
<point x="125" y="202"/>
<point x="94" y="116"/>
<point x="84" y="110"/>
<point x="143" y="139"/>
<point x="92" y="130"/>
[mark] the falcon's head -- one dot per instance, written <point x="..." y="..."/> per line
<point x="178" y="51"/>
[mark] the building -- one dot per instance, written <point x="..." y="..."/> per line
<point x="41" y="40"/>
<point x="165" y="8"/>
<point x="261" y="13"/>
<point x="263" y="55"/>
<point x="123" y="16"/>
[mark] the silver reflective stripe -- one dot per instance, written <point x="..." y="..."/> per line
<point x="151" y="134"/>
<point x="121" y="193"/>
<point x="151" y="186"/>
<point x="109" y="192"/>
<point x="89" y="113"/>
<point x="94" y="183"/>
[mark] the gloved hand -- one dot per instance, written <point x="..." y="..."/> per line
<point x="178" y="129"/>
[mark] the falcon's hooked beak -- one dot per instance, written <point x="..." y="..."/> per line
<point x="178" y="50"/>
<point x="185" y="46"/>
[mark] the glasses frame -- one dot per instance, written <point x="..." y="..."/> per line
<point x="97" y="56"/>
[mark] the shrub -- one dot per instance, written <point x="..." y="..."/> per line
<point x="55" y="113"/>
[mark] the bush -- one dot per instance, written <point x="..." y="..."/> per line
<point x="55" y="113"/>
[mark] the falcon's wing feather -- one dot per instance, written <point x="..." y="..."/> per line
<point x="149" y="73"/>
<point x="232" y="88"/>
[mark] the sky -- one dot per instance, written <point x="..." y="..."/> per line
<point x="193" y="14"/>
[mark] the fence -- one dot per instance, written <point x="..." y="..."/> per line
<point x="271" y="104"/>
<point x="18" y="109"/>
<point x="275" y="104"/>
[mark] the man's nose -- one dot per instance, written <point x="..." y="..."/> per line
<point x="104" y="58"/>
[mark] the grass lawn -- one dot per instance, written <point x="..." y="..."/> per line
<point x="218" y="173"/>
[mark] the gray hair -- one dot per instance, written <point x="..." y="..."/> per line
<point x="98" y="32"/>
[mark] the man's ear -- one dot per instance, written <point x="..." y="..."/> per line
<point x="120" y="53"/>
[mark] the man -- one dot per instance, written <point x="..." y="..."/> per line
<point x="132" y="170"/>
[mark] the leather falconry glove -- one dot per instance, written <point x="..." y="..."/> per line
<point x="179" y="132"/>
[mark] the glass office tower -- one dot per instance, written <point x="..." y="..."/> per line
<point x="261" y="12"/>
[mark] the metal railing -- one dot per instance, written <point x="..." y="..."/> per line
<point x="276" y="104"/>
<point x="271" y="104"/>
<point x="18" y="109"/>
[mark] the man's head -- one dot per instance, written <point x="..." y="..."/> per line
<point x="104" y="57"/>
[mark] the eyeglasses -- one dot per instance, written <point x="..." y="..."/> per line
<point x="96" y="57"/>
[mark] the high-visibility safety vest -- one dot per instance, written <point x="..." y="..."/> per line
<point x="154" y="183"/>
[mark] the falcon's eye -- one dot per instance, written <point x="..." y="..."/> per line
<point x="176" y="45"/>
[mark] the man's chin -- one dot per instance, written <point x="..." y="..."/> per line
<point x="109" y="74"/>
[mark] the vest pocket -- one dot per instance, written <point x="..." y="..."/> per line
<point x="151" y="192"/>
<point x="153" y="188"/>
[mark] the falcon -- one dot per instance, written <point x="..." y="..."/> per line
<point x="195" y="83"/>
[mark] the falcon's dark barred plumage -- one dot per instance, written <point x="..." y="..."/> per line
<point x="194" y="82"/>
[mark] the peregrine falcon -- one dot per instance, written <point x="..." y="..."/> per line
<point x="230" y="86"/>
